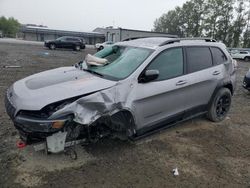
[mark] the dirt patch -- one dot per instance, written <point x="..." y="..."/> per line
<point x="206" y="154"/>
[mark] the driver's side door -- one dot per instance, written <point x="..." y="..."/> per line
<point x="166" y="97"/>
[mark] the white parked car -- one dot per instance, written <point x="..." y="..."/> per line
<point x="100" y="46"/>
<point x="244" y="55"/>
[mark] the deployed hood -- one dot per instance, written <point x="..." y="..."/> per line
<point x="36" y="91"/>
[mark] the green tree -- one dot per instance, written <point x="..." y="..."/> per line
<point x="184" y="21"/>
<point x="239" y="24"/>
<point x="224" y="20"/>
<point x="169" y="22"/>
<point x="246" y="35"/>
<point x="9" y="26"/>
<point x="218" y="20"/>
<point x="224" y="25"/>
<point x="195" y="10"/>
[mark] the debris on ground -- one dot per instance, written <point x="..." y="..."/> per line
<point x="175" y="172"/>
<point x="12" y="66"/>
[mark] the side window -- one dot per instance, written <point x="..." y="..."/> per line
<point x="218" y="56"/>
<point x="169" y="63"/>
<point x="198" y="58"/>
<point x="243" y="52"/>
<point x="62" y="39"/>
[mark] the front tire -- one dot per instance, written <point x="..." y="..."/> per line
<point x="247" y="59"/>
<point x="220" y="105"/>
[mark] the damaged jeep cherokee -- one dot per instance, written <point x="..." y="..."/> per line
<point x="127" y="90"/>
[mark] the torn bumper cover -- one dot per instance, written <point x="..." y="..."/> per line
<point x="85" y="112"/>
<point x="34" y="130"/>
<point x="90" y="107"/>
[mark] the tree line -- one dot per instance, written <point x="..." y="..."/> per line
<point x="9" y="26"/>
<point x="225" y="20"/>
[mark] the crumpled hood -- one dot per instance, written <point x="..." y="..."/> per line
<point x="36" y="91"/>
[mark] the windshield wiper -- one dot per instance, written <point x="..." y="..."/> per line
<point x="93" y="72"/>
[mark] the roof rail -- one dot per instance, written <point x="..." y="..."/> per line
<point x="206" y="39"/>
<point x="192" y="38"/>
<point x="170" y="41"/>
<point x="134" y="38"/>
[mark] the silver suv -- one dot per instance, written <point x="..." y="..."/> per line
<point x="127" y="90"/>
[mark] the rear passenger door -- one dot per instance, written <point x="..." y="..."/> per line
<point x="69" y="43"/>
<point x="203" y="75"/>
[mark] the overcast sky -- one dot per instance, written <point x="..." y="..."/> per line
<point x="83" y="15"/>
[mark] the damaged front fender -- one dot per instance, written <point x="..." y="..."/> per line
<point x="112" y="106"/>
<point x="89" y="108"/>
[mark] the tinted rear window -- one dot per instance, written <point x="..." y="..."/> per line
<point x="72" y="39"/>
<point x="218" y="56"/>
<point x="243" y="52"/>
<point x="198" y="58"/>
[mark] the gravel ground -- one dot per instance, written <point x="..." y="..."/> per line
<point x="206" y="154"/>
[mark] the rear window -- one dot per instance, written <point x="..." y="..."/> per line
<point x="243" y="52"/>
<point x="72" y="39"/>
<point x="218" y="56"/>
<point x="198" y="58"/>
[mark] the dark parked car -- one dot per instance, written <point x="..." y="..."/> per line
<point x="246" y="81"/>
<point x="75" y="43"/>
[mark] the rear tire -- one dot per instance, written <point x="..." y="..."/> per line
<point x="220" y="105"/>
<point x="101" y="47"/>
<point x="52" y="47"/>
<point x="77" y="48"/>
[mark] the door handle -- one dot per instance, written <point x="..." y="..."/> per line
<point x="216" y="72"/>
<point x="181" y="82"/>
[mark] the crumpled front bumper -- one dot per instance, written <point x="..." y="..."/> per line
<point x="32" y="129"/>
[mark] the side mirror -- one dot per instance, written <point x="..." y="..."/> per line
<point x="149" y="75"/>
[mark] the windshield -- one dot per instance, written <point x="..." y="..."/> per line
<point x="121" y="61"/>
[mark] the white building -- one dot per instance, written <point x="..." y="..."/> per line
<point x="120" y="34"/>
<point x="34" y="33"/>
